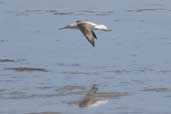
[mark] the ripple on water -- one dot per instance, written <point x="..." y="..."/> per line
<point x="25" y="95"/>
<point x="6" y="60"/>
<point x="118" y="71"/>
<point x="2" y="41"/>
<point x="7" y="94"/>
<point x="157" y="89"/>
<point x="68" y="65"/>
<point x="59" y="12"/>
<point x="70" y="89"/>
<point x="45" y="113"/>
<point x="2" y="90"/>
<point x="27" y="69"/>
<point x="112" y="94"/>
<point x="48" y="92"/>
<point x="148" y="10"/>
<point x="165" y="71"/>
<point x="79" y="73"/>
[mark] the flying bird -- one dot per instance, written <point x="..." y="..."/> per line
<point x="87" y="28"/>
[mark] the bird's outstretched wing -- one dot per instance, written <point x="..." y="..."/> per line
<point x="88" y="33"/>
<point x="94" y="34"/>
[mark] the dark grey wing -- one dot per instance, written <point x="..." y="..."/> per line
<point x="94" y="34"/>
<point x="89" y="36"/>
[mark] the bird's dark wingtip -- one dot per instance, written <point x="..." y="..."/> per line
<point x="94" y="35"/>
<point x="93" y="44"/>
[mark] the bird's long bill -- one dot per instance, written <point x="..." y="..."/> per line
<point x="62" y="28"/>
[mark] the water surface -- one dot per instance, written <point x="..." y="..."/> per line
<point x="43" y="70"/>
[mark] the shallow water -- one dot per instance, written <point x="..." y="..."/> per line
<point x="131" y="64"/>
